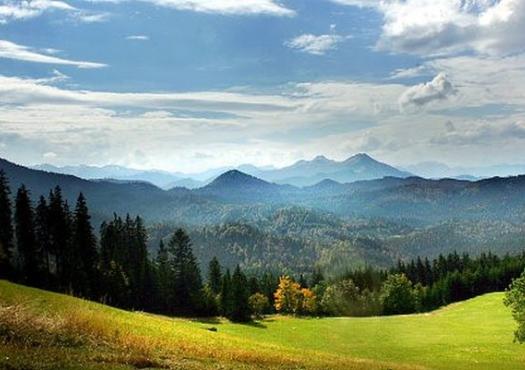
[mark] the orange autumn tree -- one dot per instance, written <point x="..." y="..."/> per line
<point x="291" y="299"/>
<point x="308" y="301"/>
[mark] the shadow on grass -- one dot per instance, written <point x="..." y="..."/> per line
<point x="258" y="323"/>
<point x="254" y="324"/>
<point x="208" y="320"/>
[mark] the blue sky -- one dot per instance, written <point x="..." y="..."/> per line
<point x="193" y="84"/>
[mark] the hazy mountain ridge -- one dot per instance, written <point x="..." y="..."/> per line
<point x="302" y="173"/>
<point x="307" y="173"/>
<point x="433" y="169"/>
<point x="411" y="198"/>
<point x="375" y="221"/>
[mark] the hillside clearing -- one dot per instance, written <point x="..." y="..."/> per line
<point x="42" y="330"/>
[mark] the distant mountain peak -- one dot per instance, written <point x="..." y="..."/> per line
<point x="235" y="178"/>
<point x="360" y="157"/>
<point x="321" y="158"/>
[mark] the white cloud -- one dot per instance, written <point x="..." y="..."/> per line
<point x="138" y="38"/>
<point x="440" y="88"/>
<point x="19" y="10"/>
<point x="445" y="27"/>
<point x="91" y="17"/>
<point x="10" y="50"/>
<point x="228" y="7"/>
<point x="315" y="45"/>
<point x="25" y="9"/>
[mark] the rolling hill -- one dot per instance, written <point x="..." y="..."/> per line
<point x="57" y="331"/>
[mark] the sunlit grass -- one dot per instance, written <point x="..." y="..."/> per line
<point x="72" y="333"/>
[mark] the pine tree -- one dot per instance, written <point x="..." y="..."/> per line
<point x="6" y="228"/>
<point x="253" y="285"/>
<point x="116" y="282"/>
<point x="214" y="276"/>
<point x="138" y="261"/>
<point x="164" y="278"/>
<point x="85" y="248"/>
<point x="241" y="309"/>
<point x="71" y="260"/>
<point x="317" y="277"/>
<point x="59" y="236"/>
<point x="226" y="296"/>
<point x="187" y="283"/>
<point x="43" y="239"/>
<point x="25" y="237"/>
<point x="302" y="281"/>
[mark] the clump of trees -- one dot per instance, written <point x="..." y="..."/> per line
<point x="292" y="298"/>
<point x="417" y="286"/>
<point x="515" y="300"/>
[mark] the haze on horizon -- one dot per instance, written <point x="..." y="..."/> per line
<point x="188" y="85"/>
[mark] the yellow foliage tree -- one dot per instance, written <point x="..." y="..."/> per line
<point x="308" y="301"/>
<point x="288" y="296"/>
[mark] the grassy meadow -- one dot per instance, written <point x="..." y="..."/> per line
<point x="42" y="330"/>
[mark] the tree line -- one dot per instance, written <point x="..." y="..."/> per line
<point x="50" y="246"/>
<point x="420" y="285"/>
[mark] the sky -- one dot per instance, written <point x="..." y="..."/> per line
<point x="187" y="85"/>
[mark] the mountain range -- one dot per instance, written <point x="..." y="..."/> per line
<point x="302" y="173"/>
<point x="413" y="199"/>
<point x="253" y="222"/>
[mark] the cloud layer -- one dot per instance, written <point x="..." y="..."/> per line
<point x="10" y="50"/>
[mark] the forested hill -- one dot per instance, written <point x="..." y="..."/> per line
<point x="237" y="196"/>
<point x="107" y="197"/>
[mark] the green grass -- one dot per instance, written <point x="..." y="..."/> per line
<point x="58" y="331"/>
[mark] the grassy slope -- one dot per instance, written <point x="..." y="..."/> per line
<point x="476" y="334"/>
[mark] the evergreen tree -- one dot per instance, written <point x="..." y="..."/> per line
<point x="6" y="228"/>
<point x="214" y="276"/>
<point x="138" y="268"/>
<point x="164" y="278"/>
<point x="59" y="236"/>
<point x="268" y="286"/>
<point x="25" y="236"/>
<point x="317" y="277"/>
<point x="241" y="309"/>
<point x="85" y="247"/>
<point x="226" y="297"/>
<point x="71" y="260"/>
<point x="43" y="239"/>
<point x="302" y="281"/>
<point x="253" y="285"/>
<point x="187" y="282"/>
<point x="113" y="259"/>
